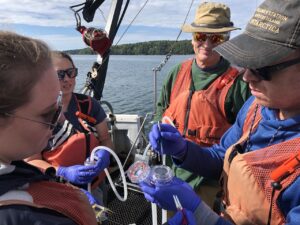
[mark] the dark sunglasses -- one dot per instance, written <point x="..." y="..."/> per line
<point x="55" y="117"/>
<point x="71" y="73"/>
<point x="214" y="38"/>
<point x="265" y="73"/>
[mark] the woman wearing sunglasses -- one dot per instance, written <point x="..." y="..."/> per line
<point x="203" y="95"/>
<point x="75" y="136"/>
<point x="30" y="106"/>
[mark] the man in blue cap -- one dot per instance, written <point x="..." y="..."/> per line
<point x="257" y="160"/>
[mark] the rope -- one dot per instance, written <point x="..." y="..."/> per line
<point x="169" y="54"/>
<point x="132" y="22"/>
<point x="102" y="14"/>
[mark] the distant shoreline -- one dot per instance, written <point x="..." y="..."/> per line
<point x="183" y="47"/>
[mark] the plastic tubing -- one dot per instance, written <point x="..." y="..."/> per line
<point x="167" y="120"/>
<point x="108" y="175"/>
<point x="146" y="150"/>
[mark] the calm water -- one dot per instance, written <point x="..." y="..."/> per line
<point x="129" y="80"/>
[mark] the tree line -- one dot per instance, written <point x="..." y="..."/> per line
<point x="183" y="47"/>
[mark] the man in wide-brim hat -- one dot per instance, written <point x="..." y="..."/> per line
<point x="202" y="95"/>
<point x="211" y="18"/>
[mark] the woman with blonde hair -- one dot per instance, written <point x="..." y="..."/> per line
<point x="30" y="106"/>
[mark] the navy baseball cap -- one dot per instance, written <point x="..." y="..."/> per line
<point x="271" y="34"/>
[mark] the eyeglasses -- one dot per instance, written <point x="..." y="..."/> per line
<point x="55" y="117"/>
<point x="265" y="73"/>
<point x="71" y="73"/>
<point x="214" y="38"/>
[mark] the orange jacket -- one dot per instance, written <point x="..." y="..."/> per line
<point x="63" y="198"/>
<point x="247" y="178"/>
<point x="200" y="115"/>
<point x="76" y="148"/>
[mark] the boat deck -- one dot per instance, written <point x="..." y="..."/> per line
<point x="136" y="210"/>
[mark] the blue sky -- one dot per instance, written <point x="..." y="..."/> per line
<point x="53" y="21"/>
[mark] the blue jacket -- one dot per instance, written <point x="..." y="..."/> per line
<point x="199" y="159"/>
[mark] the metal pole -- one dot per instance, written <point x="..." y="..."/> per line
<point x="155" y="70"/>
<point x="111" y="29"/>
<point x="154" y="91"/>
<point x="154" y="213"/>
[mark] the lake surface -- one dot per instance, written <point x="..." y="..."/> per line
<point x="129" y="81"/>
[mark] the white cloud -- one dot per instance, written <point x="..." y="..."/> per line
<point x="62" y="42"/>
<point x="158" y="14"/>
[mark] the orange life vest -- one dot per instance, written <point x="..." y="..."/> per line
<point x="78" y="147"/>
<point x="63" y="198"/>
<point x="247" y="182"/>
<point x="200" y="115"/>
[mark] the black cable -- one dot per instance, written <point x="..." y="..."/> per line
<point x="275" y="186"/>
<point x="74" y="6"/>
<point x="123" y="14"/>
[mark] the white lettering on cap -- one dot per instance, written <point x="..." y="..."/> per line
<point x="268" y="20"/>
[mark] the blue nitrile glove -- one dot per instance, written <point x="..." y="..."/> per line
<point x="163" y="195"/>
<point x="172" y="142"/>
<point x="103" y="160"/>
<point x="77" y="174"/>
<point x="90" y="197"/>
<point x="178" y="217"/>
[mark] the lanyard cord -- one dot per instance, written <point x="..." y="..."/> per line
<point x="248" y="143"/>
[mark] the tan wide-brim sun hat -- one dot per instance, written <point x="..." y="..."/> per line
<point x="211" y="17"/>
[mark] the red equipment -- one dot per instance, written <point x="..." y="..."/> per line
<point x="287" y="168"/>
<point x="86" y="117"/>
<point x="95" y="38"/>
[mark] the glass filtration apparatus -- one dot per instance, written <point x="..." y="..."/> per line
<point x="140" y="171"/>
